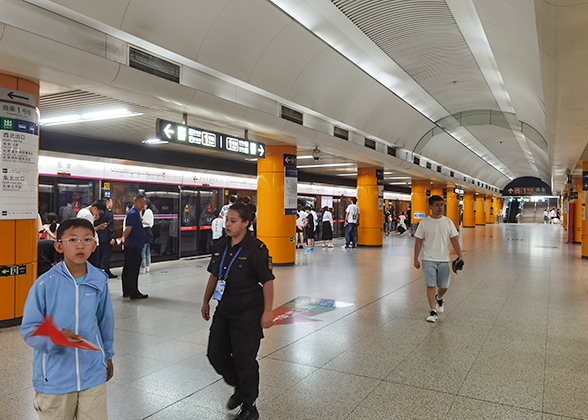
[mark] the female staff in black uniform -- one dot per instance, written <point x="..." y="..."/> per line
<point x="241" y="280"/>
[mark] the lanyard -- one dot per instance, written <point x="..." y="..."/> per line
<point x="226" y="274"/>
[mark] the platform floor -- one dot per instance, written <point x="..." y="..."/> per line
<point x="512" y="343"/>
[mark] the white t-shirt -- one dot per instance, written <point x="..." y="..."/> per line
<point x="315" y="218"/>
<point x="401" y="220"/>
<point x="87" y="214"/>
<point x="303" y="215"/>
<point x="353" y="213"/>
<point x="435" y="234"/>
<point x="328" y="217"/>
<point x="148" y="219"/>
<point x="217" y="228"/>
<point x="223" y="212"/>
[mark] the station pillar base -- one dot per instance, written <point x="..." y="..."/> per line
<point x="369" y="231"/>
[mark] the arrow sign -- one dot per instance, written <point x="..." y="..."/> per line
<point x="13" y="95"/>
<point x="510" y="190"/>
<point x="168" y="131"/>
<point x="261" y="151"/>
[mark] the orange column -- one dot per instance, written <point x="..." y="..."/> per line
<point x="274" y="228"/>
<point x="453" y="207"/>
<point x="578" y="211"/>
<point x="480" y="210"/>
<point x="369" y="231"/>
<point x="489" y="210"/>
<point x="564" y="211"/>
<point x="469" y="218"/>
<point x="18" y="237"/>
<point x="419" y="206"/>
<point x="584" y="216"/>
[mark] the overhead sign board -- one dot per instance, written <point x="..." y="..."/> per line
<point x="204" y="139"/>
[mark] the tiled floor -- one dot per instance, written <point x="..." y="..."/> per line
<point x="512" y="343"/>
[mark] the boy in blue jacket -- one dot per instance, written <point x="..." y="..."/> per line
<point x="71" y="382"/>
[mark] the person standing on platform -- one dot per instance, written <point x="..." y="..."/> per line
<point x="352" y="221"/>
<point x="387" y="220"/>
<point x="545" y="217"/>
<point x="327" y="228"/>
<point x="217" y="227"/>
<point x="253" y="210"/>
<point x="50" y="229"/>
<point x="401" y="228"/>
<point x="309" y="229"/>
<point x="241" y="280"/>
<point x="225" y="209"/>
<point x="299" y="228"/>
<point x="91" y="214"/>
<point x="133" y="240"/>
<point x="148" y="222"/>
<point x="106" y="238"/>
<point x="433" y="235"/>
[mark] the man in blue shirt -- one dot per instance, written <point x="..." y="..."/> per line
<point x="133" y="239"/>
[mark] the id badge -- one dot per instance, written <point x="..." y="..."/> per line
<point x="220" y="289"/>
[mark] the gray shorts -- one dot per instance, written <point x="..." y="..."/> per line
<point x="436" y="274"/>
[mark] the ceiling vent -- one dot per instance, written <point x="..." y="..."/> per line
<point x="439" y="169"/>
<point x="370" y="144"/>
<point x="429" y="166"/>
<point x="151" y="64"/>
<point x="391" y="151"/>
<point x="291" y="115"/>
<point x="341" y="133"/>
<point x="452" y="174"/>
<point x="416" y="161"/>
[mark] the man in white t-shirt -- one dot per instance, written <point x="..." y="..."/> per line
<point x="352" y="221"/>
<point x="433" y="236"/>
<point x="91" y="213"/>
<point x="225" y="209"/>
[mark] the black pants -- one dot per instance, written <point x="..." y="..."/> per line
<point x="232" y="350"/>
<point x="105" y="250"/>
<point x="94" y="258"/>
<point x="130" y="273"/>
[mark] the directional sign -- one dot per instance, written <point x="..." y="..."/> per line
<point x="16" y="96"/>
<point x="12" y="270"/>
<point x="197" y="137"/>
<point x="290" y="161"/>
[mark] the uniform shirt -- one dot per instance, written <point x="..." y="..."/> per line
<point x="435" y="234"/>
<point x="87" y="214"/>
<point x="353" y="213"/>
<point x="252" y="267"/>
<point x="217" y="228"/>
<point x="136" y="238"/>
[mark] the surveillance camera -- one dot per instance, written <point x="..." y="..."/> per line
<point x="316" y="153"/>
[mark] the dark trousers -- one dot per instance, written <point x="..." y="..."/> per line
<point x="232" y="350"/>
<point x="130" y="273"/>
<point x="105" y="250"/>
<point x="94" y="258"/>
<point x="351" y="234"/>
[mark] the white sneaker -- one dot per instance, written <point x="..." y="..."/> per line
<point x="148" y="270"/>
<point x="142" y="270"/>
<point x="439" y="305"/>
<point x="432" y="316"/>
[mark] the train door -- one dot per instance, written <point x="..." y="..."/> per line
<point x="188" y="222"/>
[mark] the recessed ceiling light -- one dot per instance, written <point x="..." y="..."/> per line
<point x="325" y="165"/>
<point x="306" y="157"/>
<point x="154" y="141"/>
<point x="89" y="116"/>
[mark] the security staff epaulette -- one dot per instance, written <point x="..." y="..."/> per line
<point x="258" y="242"/>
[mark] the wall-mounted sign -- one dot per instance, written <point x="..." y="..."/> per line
<point x="290" y="161"/>
<point x="13" y="270"/>
<point x="204" y="139"/>
<point x="458" y="191"/>
<point x="290" y="190"/>
<point x="380" y="176"/>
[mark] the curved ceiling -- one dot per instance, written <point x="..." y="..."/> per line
<point x="383" y="69"/>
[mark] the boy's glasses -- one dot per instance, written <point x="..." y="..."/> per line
<point x="75" y="241"/>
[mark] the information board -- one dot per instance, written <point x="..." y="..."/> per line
<point x="204" y="139"/>
<point x="290" y="190"/>
<point x="19" y="136"/>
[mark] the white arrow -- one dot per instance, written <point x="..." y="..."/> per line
<point x="510" y="190"/>
<point x="168" y="131"/>
<point x="261" y="150"/>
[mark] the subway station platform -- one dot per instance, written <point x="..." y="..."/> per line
<point x="510" y="345"/>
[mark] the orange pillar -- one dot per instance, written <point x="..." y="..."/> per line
<point x="452" y="206"/>
<point x="419" y="206"/>
<point x="489" y="210"/>
<point x="469" y="218"/>
<point x="564" y="211"/>
<point x="18" y="237"/>
<point x="274" y="228"/>
<point x="369" y="231"/>
<point x="584" y="216"/>
<point x="578" y="211"/>
<point x="480" y="210"/>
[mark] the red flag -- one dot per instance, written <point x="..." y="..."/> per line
<point x="48" y="329"/>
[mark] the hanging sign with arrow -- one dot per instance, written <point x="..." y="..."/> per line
<point x="13" y="270"/>
<point x="18" y="97"/>
<point x="197" y="137"/>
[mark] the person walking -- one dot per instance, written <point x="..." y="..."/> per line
<point x="401" y="228"/>
<point x="148" y="221"/>
<point x="217" y="227"/>
<point x="106" y="238"/>
<point x="241" y="280"/>
<point x="133" y="240"/>
<point x="327" y="228"/>
<point x="433" y="235"/>
<point x="309" y="230"/>
<point x="352" y="221"/>
<point x="91" y="214"/>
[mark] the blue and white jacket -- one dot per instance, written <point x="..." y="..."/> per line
<point x="87" y="311"/>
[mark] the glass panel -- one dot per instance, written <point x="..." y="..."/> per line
<point x="188" y="223"/>
<point x="72" y="197"/>
<point x="164" y="205"/>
